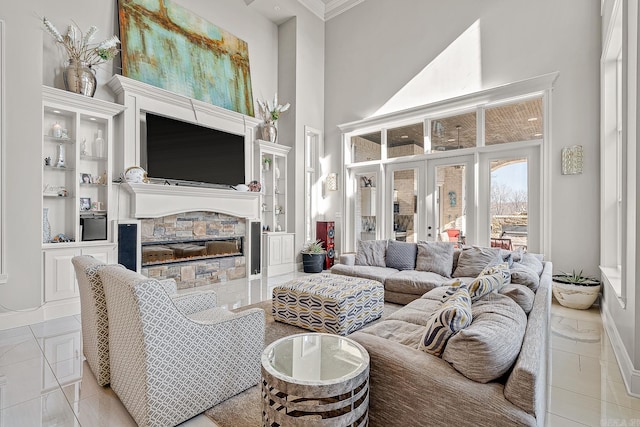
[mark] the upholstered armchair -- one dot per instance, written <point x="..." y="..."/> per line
<point x="167" y="367"/>
<point x="95" y="321"/>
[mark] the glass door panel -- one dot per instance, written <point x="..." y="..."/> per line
<point x="450" y="193"/>
<point x="404" y="196"/>
<point x="509" y="221"/>
<point x="366" y="206"/>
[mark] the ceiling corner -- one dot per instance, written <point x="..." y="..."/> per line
<point x="334" y="8"/>
<point x="315" y="6"/>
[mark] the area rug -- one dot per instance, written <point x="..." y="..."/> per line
<point x="244" y="409"/>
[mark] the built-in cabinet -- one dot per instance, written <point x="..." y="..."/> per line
<point x="77" y="145"/>
<point x="278" y="245"/>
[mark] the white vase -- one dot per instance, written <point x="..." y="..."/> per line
<point x="575" y="296"/>
<point x="46" y="226"/>
<point x="98" y="145"/>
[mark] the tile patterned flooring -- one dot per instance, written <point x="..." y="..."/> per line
<point x="44" y="381"/>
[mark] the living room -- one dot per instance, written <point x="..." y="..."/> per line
<point x="345" y="66"/>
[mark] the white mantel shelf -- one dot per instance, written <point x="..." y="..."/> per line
<point x="155" y="200"/>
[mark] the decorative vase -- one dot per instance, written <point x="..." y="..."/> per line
<point x="313" y="262"/>
<point x="46" y="226"/>
<point x="269" y="132"/>
<point x="575" y="296"/>
<point x="98" y="145"/>
<point x="79" y="78"/>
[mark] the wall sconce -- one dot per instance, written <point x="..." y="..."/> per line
<point x="331" y="183"/>
<point x="572" y="160"/>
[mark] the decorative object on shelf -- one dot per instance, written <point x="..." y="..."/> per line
<point x="85" y="178"/>
<point x="65" y="134"/>
<point x="266" y="162"/>
<point x="61" y="153"/>
<point x="575" y="290"/>
<point x="313" y="257"/>
<point x="135" y="174"/>
<point x="61" y="238"/>
<point x="98" y="145"/>
<point x="83" y="147"/>
<point x="47" y="161"/>
<point x="96" y="206"/>
<point x="277" y="209"/>
<point x="46" y="226"/>
<point x="240" y="187"/>
<point x="85" y="203"/>
<point x="255" y="186"/>
<point x="572" y="160"/>
<point x="368" y="182"/>
<point x="276" y="172"/>
<point x="332" y="182"/>
<point x="56" y="130"/>
<point x="270" y="114"/>
<point x="278" y="227"/>
<point x="78" y="76"/>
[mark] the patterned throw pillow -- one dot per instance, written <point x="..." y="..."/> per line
<point x="499" y="268"/>
<point x="453" y="316"/>
<point x="401" y="255"/>
<point x="483" y="285"/>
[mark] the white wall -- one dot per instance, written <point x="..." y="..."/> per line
<point x="29" y="65"/>
<point x="376" y="48"/>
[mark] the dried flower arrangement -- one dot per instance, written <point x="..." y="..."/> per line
<point x="271" y="112"/>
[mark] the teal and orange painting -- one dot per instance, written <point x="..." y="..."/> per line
<point x="165" y="45"/>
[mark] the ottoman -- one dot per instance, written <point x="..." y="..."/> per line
<point x="328" y="303"/>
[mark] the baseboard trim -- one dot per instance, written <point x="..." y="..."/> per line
<point x="630" y="375"/>
<point x="48" y="311"/>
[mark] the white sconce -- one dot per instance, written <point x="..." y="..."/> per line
<point x="572" y="160"/>
<point x="331" y="183"/>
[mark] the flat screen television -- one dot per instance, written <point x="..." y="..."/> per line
<point x="185" y="152"/>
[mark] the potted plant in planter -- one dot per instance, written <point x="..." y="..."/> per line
<point x="267" y="163"/>
<point x="313" y="256"/>
<point x="575" y="290"/>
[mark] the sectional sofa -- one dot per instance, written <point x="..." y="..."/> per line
<point x="493" y="372"/>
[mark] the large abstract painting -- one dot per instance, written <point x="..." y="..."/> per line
<point x="166" y="45"/>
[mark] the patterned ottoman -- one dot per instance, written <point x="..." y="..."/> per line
<point x="328" y="303"/>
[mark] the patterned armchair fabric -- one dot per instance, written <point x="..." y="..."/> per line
<point x="167" y="367"/>
<point x="95" y="321"/>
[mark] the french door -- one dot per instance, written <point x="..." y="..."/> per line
<point x="450" y="188"/>
<point x="404" y="196"/>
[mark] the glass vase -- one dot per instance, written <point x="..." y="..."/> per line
<point x="46" y="226"/>
<point x="269" y="132"/>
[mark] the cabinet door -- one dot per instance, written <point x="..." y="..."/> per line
<point x="105" y="254"/>
<point x="59" y="276"/>
<point x="275" y="250"/>
<point x="287" y="248"/>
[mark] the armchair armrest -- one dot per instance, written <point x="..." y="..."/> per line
<point x="169" y="285"/>
<point x="348" y="258"/>
<point x="194" y="302"/>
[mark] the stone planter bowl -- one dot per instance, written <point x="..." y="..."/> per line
<point x="575" y="296"/>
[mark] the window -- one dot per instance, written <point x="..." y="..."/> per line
<point x="521" y="121"/>
<point x="453" y="133"/>
<point x="312" y="153"/>
<point x="405" y="140"/>
<point x="367" y="147"/>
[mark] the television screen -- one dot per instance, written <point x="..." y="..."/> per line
<point x="177" y="150"/>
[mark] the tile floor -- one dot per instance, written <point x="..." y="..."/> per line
<point x="44" y="382"/>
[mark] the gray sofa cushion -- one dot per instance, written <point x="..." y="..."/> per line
<point x="371" y="252"/>
<point x="486" y="349"/>
<point x="436" y="257"/>
<point x="474" y="259"/>
<point x="522" y="295"/>
<point x="532" y="261"/>
<point x="523" y="275"/>
<point x="417" y="312"/>
<point x="401" y="255"/>
<point x="366" y="272"/>
<point x="413" y="282"/>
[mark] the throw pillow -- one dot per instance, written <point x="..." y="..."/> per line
<point x="453" y="316"/>
<point x="474" y="259"/>
<point x="523" y="275"/>
<point x="486" y="349"/>
<point x="533" y="262"/>
<point x="522" y="295"/>
<point x="436" y="257"/>
<point x="371" y="252"/>
<point x="483" y="285"/>
<point x="502" y="268"/>
<point x="401" y="255"/>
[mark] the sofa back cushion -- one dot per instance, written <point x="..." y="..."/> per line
<point x="523" y="275"/>
<point x="486" y="349"/>
<point x="454" y="315"/>
<point x="371" y="252"/>
<point x="474" y="259"/>
<point x="436" y="257"/>
<point x="522" y="295"/>
<point x="401" y="255"/>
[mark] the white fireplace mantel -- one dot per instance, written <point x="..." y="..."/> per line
<point x="156" y="200"/>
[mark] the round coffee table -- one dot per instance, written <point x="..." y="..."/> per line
<point x="315" y="379"/>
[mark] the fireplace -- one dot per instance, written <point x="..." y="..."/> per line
<point x="194" y="248"/>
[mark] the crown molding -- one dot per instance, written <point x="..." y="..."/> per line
<point x="334" y="8"/>
<point x="326" y="10"/>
